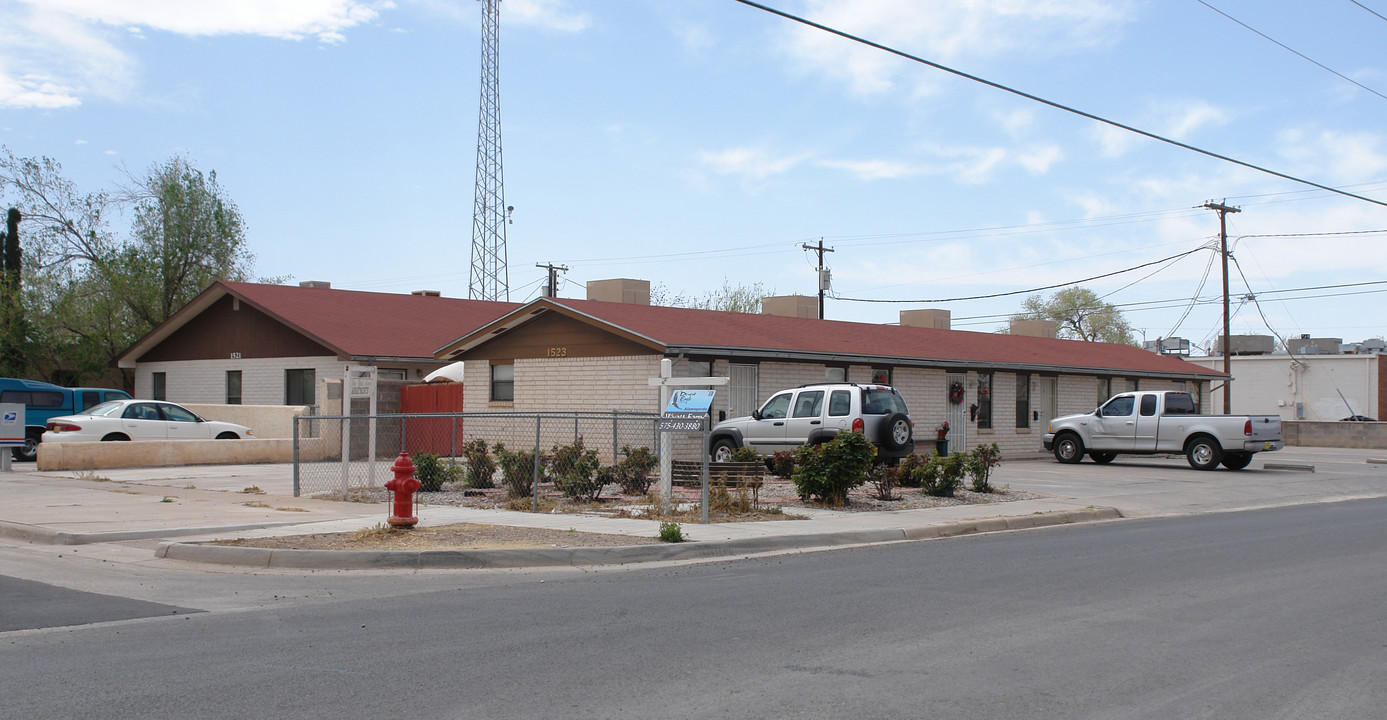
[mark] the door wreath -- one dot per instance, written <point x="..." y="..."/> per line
<point x="956" y="392"/>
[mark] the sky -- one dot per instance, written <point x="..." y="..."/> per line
<point x="702" y="143"/>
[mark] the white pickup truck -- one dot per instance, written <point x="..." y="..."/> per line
<point x="1148" y="423"/>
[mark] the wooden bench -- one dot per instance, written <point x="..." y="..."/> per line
<point x="737" y="474"/>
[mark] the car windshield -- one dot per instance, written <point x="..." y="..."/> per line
<point x="105" y="408"/>
<point x="882" y="401"/>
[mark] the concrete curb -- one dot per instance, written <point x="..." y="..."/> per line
<point x="580" y="556"/>
<point x="47" y="536"/>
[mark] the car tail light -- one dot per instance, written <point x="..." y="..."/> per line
<point x="63" y="427"/>
<point x="1247" y="427"/>
<point x="858" y="425"/>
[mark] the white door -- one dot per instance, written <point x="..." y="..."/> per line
<point x="1046" y="402"/>
<point x="957" y="413"/>
<point x="741" y="392"/>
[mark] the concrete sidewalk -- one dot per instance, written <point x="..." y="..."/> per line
<point x="186" y="505"/>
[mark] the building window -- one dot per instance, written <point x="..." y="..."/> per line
<point x="399" y="374"/>
<point x="984" y="403"/>
<point x="835" y="374"/>
<point x="503" y="383"/>
<point x="160" y="382"/>
<point x="298" y="387"/>
<point x="881" y="376"/>
<point x="1023" y="401"/>
<point x="233" y="387"/>
<point x="700" y="368"/>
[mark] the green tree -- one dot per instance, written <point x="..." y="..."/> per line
<point x="86" y="294"/>
<point x="187" y="234"/>
<point x="1080" y="315"/>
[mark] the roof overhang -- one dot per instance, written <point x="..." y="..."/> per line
<point x="899" y="361"/>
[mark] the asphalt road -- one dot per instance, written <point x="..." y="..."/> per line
<point x="1262" y="614"/>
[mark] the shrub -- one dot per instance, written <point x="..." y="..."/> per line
<point x="884" y="480"/>
<point x="480" y="467"/>
<point x="517" y="471"/>
<point x="908" y="471"/>
<point x="574" y="470"/>
<point x="942" y="476"/>
<point x="671" y="532"/>
<point x="432" y="472"/>
<point x="980" y="465"/>
<point x="633" y="472"/>
<point x="745" y="454"/>
<point x="783" y="464"/>
<point x="830" y="470"/>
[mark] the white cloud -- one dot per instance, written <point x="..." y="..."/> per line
<point x="875" y="169"/>
<point x="1039" y="160"/>
<point x="549" y="14"/>
<point x="749" y="163"/>
<point x="1335" y="157"/>
<point x="322" y="19"/>
<point x="1183" y="118"/>
<point x="945" y="31"/>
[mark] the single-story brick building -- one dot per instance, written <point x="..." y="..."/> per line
<point x="586" y="355"/>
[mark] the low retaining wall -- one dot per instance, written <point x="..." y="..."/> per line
<point x="266" y="421"/>
<point x="1365" y="435"/>
<point x="162" y="453"/>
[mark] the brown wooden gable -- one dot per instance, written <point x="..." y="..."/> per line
<point x="222" y="330"/>
<point x="554" y="335"/>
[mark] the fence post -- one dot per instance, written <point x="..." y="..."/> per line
<point x="296" y="455"/>
<point x="454" y="423"/>
<point x="535" y="492"/>
<point x="613" y="437"/>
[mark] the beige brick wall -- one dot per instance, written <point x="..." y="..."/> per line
<point x="204" y="381"/>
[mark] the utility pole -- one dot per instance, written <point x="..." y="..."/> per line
<point x="1223" y="211"/>
<point x="552" y="289"/>
<point x="820" y="249"/>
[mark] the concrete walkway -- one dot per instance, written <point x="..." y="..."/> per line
<point x="186" y="505"/>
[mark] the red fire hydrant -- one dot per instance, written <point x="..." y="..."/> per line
<point x="403" y="486"/>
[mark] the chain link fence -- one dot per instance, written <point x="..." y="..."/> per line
<point x="341" y="453"/>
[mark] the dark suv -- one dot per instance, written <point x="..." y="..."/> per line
<point x="815" y="414"/>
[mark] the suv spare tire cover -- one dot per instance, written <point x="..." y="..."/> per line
<point x="888" y="438"/>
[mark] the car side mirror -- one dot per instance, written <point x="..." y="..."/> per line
<point x="755" y="414"/>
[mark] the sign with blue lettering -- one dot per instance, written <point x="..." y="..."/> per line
<point x="11" y="424"/>
<point x="689" y="402"/>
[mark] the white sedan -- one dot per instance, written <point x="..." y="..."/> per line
<point x="140" y="420"/>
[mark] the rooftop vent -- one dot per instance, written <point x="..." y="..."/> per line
<point x="805" y="306"/>
<point x="323" y="284"/>
<point x="937" y="319"/>
<point x="427" y="293"/>
<point x="621" y="290"/>
<point x="1245" y="345"/>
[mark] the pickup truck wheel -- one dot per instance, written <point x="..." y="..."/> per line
<point x="1102" y="458"/>
<point x="722" y="450"/>
<point x="1203" y="453"/>
<point x="895" y="432"/>
<point x="1236" y="461"/>
<point x="1069" y="449"/>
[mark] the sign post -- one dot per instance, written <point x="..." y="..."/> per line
<point x="360" y="382"/>
<point x="667" y="383"/>
<point x="11" y="431"/>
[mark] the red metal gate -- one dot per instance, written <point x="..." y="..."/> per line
<point x="432" y="435"/>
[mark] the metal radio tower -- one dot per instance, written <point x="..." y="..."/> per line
<point x="490" y="277"/>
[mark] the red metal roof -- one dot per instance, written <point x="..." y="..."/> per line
<point x="369" y="324"/>
<point x="685" y="328"/>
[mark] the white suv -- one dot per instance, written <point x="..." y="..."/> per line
<point x="815" y="414"/>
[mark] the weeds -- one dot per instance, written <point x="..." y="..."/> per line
<point x="671" y="532"/>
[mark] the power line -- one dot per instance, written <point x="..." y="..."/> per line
<point x="1022" y="292"/>
<point x="1287" y="48"/>
<point x="1365" y="7"/>
<point x="1051" y="103"/>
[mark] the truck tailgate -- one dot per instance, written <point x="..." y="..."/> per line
<point x="1265" y="428"/>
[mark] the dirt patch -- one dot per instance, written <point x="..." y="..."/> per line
<point x="463" y="536"/>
